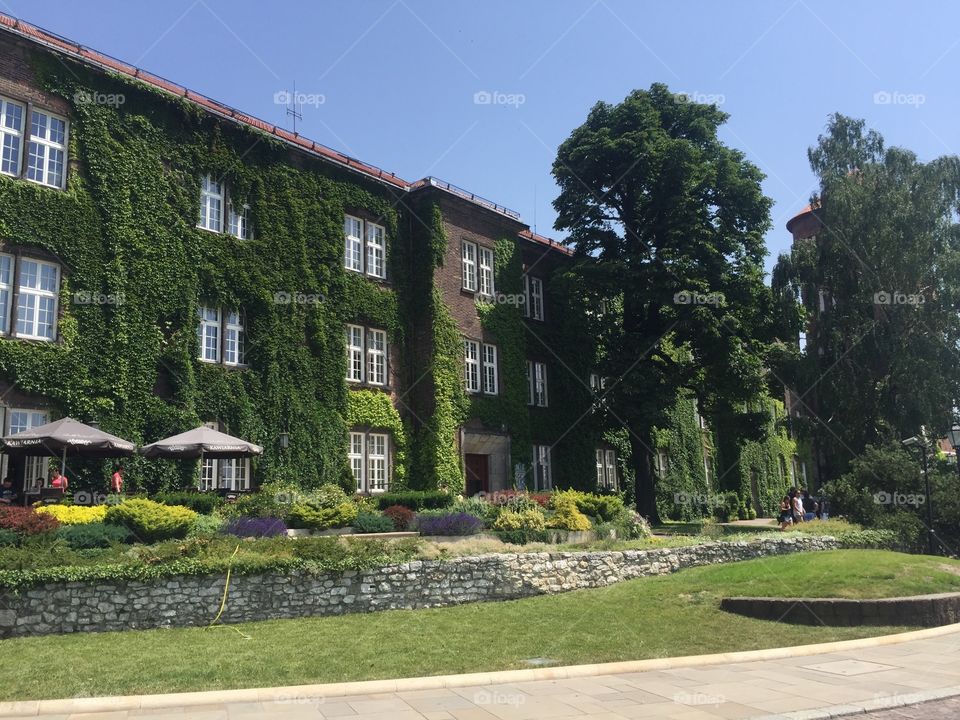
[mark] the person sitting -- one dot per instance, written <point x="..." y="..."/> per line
<point x="59" y="481"/>
<point x="8" y="496"/>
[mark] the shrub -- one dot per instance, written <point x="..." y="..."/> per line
<point x="727" y="506"/>
<point x="910" y="530"/>
<point x="416" y="500"/>
<point x="518" y="501"/>
<point x="75" y="514"/>
<point x="8" y="537"/>
<point x="327" y="496"/>
<point x="631" y="525"/>
<point x="256" y="527"/>
<point x="27" y="521"/>
<point x="457" y="523"/>
<point x="602" y="507"/>
<point x="401" y="517"/>
<point x="531" y="519"/>
<point x="486" y="511"/>
<point x="367" y="522"/>
<point x="869" y="539"/>
<point x="203" y="503"/>
<point x="151" y="521"/>
<point x="522" y="536"/>
<point x="88" y="536"/>
<point x="566" y="515"/>
<point x="310" y="517"/>
<point x="206" y="526"/>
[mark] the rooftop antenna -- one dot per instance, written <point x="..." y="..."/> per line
<point x="292" y="110"/>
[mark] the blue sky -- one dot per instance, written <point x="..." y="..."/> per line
<point x="393" y="82"/>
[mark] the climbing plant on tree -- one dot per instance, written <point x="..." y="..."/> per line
<point x="656" y="205"/>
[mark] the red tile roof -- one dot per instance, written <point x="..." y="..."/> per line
<point x="106" y="62"/>
<point x="544" y="240"/>
<point x="98" y="59"/>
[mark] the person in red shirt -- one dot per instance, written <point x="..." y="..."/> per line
<point x="116" y="480"/>
<point x="59" y="481"/>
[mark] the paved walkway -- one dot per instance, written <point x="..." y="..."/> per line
<point x="808" y="686"/>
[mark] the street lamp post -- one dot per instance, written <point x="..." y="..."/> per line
<point x="954" y="436"/>
<point x="921" y="443"/>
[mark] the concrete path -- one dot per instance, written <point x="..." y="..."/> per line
<point x="797" y="687"/>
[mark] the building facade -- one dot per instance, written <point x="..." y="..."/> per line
<point x="167" y="261"/>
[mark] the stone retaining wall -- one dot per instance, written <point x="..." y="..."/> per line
<point x="194" y="600"/>
<point x="921" y="610"/>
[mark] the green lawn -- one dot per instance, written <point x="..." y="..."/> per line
<point x="650" y="617"/>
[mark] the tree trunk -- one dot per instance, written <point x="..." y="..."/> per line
<point x="645" y="482"/>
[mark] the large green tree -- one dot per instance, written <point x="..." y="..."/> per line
<point x="669" y="223"/>
<point x="880" y="287"/>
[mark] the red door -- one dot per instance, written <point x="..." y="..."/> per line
<point x="478" y="473"/>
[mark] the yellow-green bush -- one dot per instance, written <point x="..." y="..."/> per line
<point x="566" y="515"/>
<point x="75" y="514"/>
<point x="151" y="521"/>
<point x="531" y="519"/>
<point x="311" y="517"/>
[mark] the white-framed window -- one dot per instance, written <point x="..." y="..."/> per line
<point x="606" y="461"/>
<point x="11" y="136"/>
<point x="598" y="383"/>
<point x="376" y="250"/>
<point x="225" y="474"/>
<point x="234" y="339"/>
<point x="355" y="457"/>
<point x="211" y="204"/>
<point x="6" y="291"/>
<point x="468" y="265"/>
<point x="610" y="464"/>
<point x="36" y="470"/>
<point x="376" y="462"/>
<point x="364" y="247"/>
<point x="708" y="468"/>
<point x="485" y="256"/>
<point x="208" y="333"/>
<point x="537" y="381"/>
<point x="47" y="156"/>
<point x="38" y="284"/>
<point x="369" y="457"/>
<point x="542" y="472"/>
<point x="377" y="357"/>
<point x="353" y="243"/>
<point x="366" y="355"/>
<point x="661" y="463"/>
<point x="533" y="297"/>
<point x="355" y="353"/>
<point x="491" y="381"/>
<point x="471" y="365"/>
<point x="238" y="220"/>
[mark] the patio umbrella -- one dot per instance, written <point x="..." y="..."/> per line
<point x="201" y="442"/>
<point x="64" y="436"/>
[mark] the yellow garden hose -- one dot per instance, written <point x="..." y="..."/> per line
<point x="223" y="601"/>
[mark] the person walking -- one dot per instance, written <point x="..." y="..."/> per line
<point x="796" y="505"/>
<point x="786" y="516"/>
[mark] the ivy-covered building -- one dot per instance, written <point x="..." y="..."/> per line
<point x="167" y="260"/>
